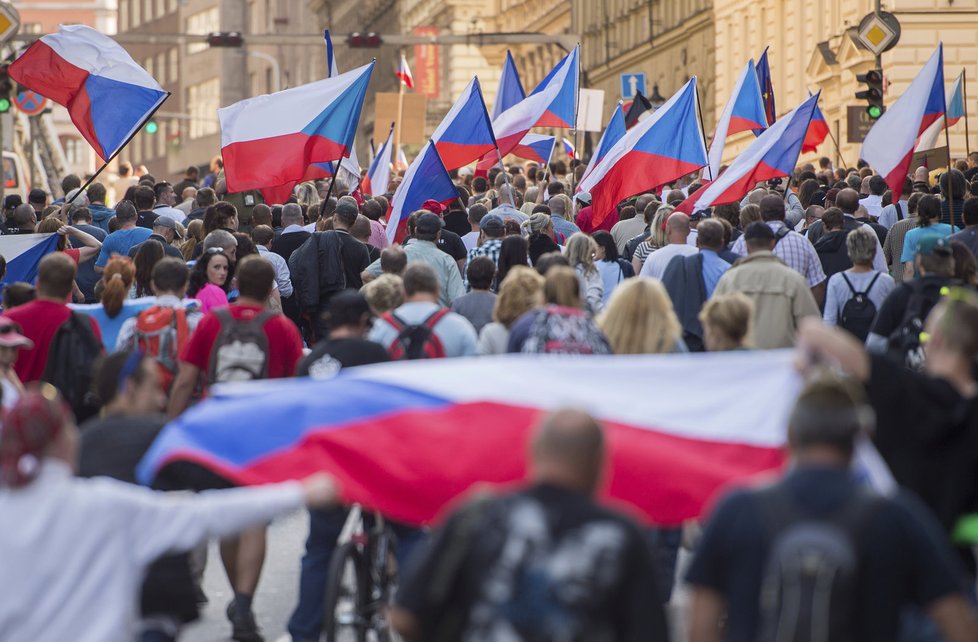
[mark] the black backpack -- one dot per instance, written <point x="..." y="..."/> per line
<point x="904" y="342"/>
<point x="74" y="348"/>
<point x="809" y="591"/>
<point x="859" y="312"/>
<point x="240" y="352"/>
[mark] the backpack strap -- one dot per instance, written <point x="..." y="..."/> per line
<point x="434" y="318"/>
<point x="899" y="210"/>
<point x="849" y="283"/>
<point x="396" y="322"/>
<point x="782" y="232"/>
<point x="869" y="288"/>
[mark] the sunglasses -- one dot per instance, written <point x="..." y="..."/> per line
<point x="214" y="250"/>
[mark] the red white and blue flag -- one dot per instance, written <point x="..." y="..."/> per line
<point x="611" y="135"/>
<point x="273" y="139"/>
<point x="955" y="112"/>
<point x="818" y="131"/>
<point x="378" y="176"/>
<point x="663" y="147"/>
<point x="889" y="145"/>
<point x="536" y="147"/>
<point x="552" y="104"/>
<point x="108" y="96"/>
<point x="568" y="148"/>
<point x="23" y="252"/>
<point x="763" y="70"/>
<point x="772" y="155"/>
<point x="426" y="179"/>
<point x="465" y="134"/>
<point x="510" y="89"/>
<point x="744" y="111"/>
<point x="408" y="439"/>
<point x="404" y="73"/>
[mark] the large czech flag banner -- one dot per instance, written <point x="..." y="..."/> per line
<point x="409" y="438"/>
<point x="23" y="252"/>
<point x="108" y="96"/>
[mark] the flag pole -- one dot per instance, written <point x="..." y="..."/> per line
<point x="838" y="150"/>
<point x="116" y="153"/>
<point x="400" y="110"/>
<point x="499" y="156"/>
<point x="699" y="112"/>
<point x="964" y="98"/>
<point x="950" y="183"/>
<point x="577" y="111"/>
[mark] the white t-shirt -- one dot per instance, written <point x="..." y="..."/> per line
<point x="655" y="265"/>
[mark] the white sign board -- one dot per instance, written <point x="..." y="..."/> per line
<point x="590" y="110"/>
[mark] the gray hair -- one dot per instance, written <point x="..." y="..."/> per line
<point x="291" y="214"/>
<point x="220" y="238"/>
<point x="861" y="245"/>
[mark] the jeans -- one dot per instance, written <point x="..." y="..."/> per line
<point x="306" y="622"/>
<point x="666" y="541"/>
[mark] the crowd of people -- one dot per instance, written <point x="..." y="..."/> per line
<point x="173" y="289"/>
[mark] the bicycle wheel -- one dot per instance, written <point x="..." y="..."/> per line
<point x="383" y="579"/>
<point x="346" y="596"/>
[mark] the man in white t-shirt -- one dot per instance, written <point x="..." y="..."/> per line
<point x="677" y="230"/>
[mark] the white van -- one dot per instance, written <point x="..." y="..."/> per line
<point x="14" y="178"/>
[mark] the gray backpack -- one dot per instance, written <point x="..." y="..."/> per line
<point x="240" y="352"/>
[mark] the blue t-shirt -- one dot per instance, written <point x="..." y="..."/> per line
<point x="119" y="242"/>
<point x="110" y="327"/>
<point x="912" y="240"/>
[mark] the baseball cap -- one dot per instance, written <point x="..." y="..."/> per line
<point x="428" y="223"/>
<point x="10" y="336"/>
<point x="758" y="230"/>
<point x="584" y="197"/>
<point x="433" y="206"/>
<point x="168" y="223"/>
<point x="934" y="245"/>
<point x="492" y="222"/>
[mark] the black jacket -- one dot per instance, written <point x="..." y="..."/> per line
<point x="326" y="263"/>
<point x="285" y="244"/>
<point x="683" y="280"/>
<point x="832" y="252"/>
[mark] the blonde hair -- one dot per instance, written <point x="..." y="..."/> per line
<point x="639" y="318"/>
<point x="657" y="229"/>
<point x="50" y="225"/>
<point x="562" y="287"/>
<point x="730" y="317"/>
<point x="520" y="292"/>
<point x="307" y="195"/>
<point x="750" y="213"/>
<point x="117" y="279"/>
<point x="384" y="293"/>
<point x="580" y="251"/>
<point x="195" y="234"/>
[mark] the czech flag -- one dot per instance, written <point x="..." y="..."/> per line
<point x="349" y="165"/>
<point x="378" y="176"/>
<point x="465" y="134"/>
<point x="273" y="139"/>
<point x="568" y="148"/>
<point x="744" y="111"/>
<point x="23" y="252"/>
<point x="552" y="104"/>
<point x="510" y="89"/>
<point x="331" y="68"/>
<point x="772" y="155"/>
<point x="426" y="179"/>
<point x="108" y="96"/>
<point x="409" y="438"/>
<point x="818" y="131"/>
<point x="767" y="90"/>
<point x="889" y="145"/>
<point x="955" y="103"/>
<point x="612" y="134"/>
<point x="404" y="73"/>
<point x="536" y="147"/>
<point x="659" y="149"/>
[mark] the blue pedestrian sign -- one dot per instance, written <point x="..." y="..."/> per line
<point x="631" y="84"/>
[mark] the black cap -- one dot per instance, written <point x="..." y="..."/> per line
<point x="757" y="231"/>
<point x="10" y="201"/>
<point x="428" y="223"/>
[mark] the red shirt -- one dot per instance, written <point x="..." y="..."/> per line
<point x="284" y="341"/>
<point x="40" y="320"/>
<point x="585" y="216"/>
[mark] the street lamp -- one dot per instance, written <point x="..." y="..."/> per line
<point x="656" y="99"/>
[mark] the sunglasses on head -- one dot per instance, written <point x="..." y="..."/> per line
<point x="214" y="250"/>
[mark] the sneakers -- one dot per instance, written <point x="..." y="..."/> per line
<point x="243" y="625"/>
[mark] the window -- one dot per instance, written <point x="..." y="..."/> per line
<point x="147" y="10"/>
<point x="202" y="23"/>
<point x="136" y="12"/>
<point x="173" y="64"/>
<point x="160" y="8"/>
<point x="202" y="103"/>
<point x="160" y="137"/>
<point x="161" y="67"/>
<point x="123" y="15"/>
<point x="150" y="67"/>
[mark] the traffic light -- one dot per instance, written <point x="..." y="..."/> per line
<point x="225" y="39"/>
<point x="151" y="127"/>
<point x="6" y="90"/>
<point x="369" y="40"/>
<point x="873" y="94"/>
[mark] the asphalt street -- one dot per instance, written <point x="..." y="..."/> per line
<point x="277" y="591"/>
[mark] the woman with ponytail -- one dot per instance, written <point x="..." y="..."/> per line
<point x="116" y="306"/>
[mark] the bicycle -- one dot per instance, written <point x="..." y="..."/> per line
<point x="361" y="581"/>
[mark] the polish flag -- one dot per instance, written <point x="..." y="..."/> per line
<point x="404" y="73"/>
<point x="889" y="145"/>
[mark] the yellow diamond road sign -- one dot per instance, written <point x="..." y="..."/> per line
<point x="9" y="21"/>
<point x="875" y="34"/>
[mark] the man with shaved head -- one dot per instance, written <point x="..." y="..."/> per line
<point x="524" y="550"/>
<point x="677" y="231"/>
